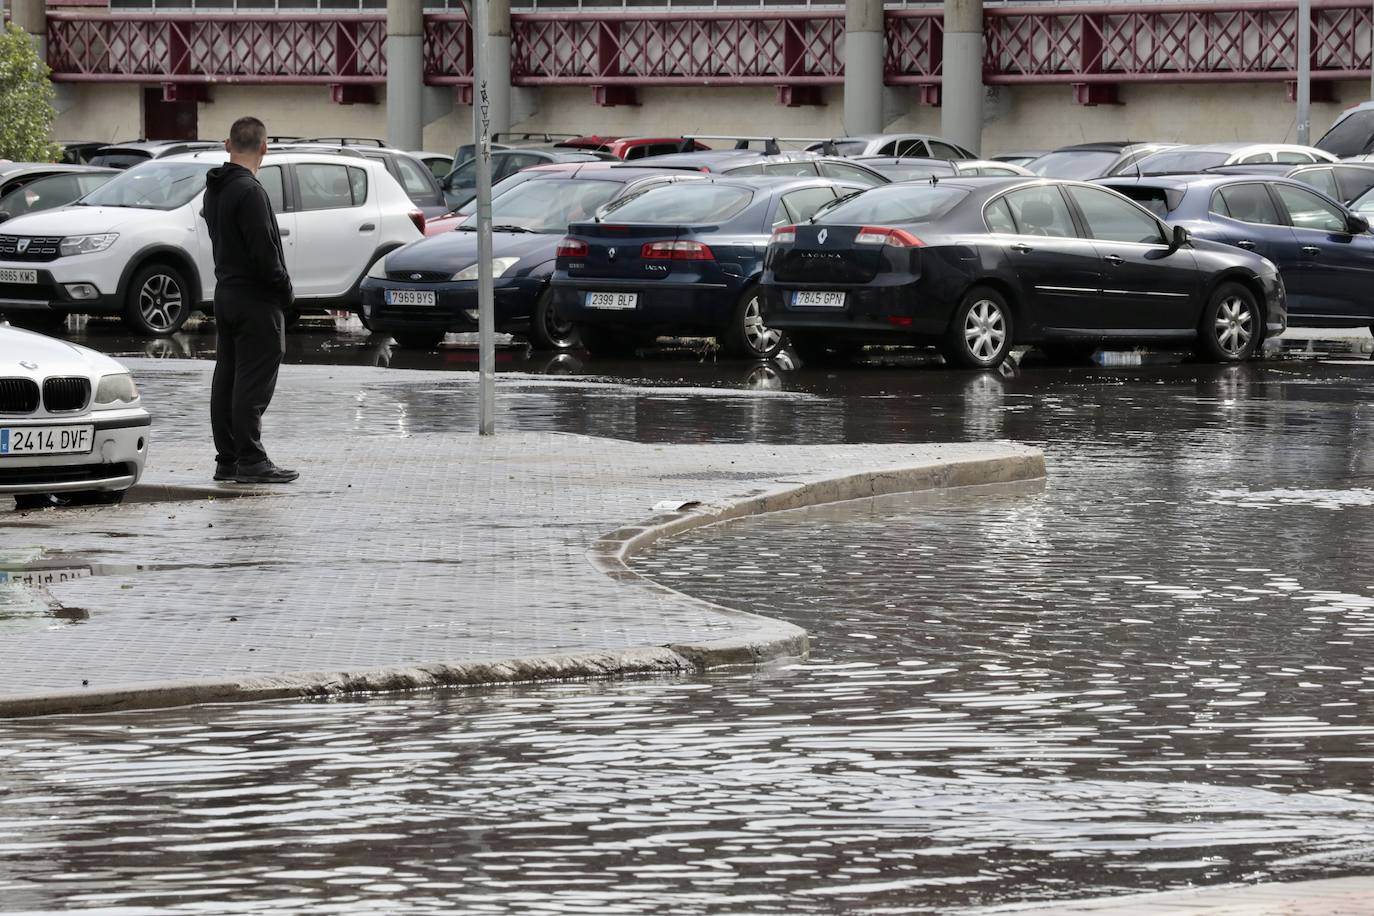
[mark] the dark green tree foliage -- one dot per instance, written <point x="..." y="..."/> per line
<point x="26" y="100"/>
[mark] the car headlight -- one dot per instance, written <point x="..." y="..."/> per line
<point x="116" y="390"/>
<point x="86" y="244"/>
<point x="499" y="268"/>
<point x="378" y="271"/>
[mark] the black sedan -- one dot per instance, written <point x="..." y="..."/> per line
<point x="429" y="287"/>
<point x="977" y="265"/>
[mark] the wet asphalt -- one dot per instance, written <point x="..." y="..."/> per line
<point x="1148" y="672"/>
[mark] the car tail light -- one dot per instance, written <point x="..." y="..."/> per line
<point x="883" y="235"/>
<point x="900" y="321"/>
<point x="418" y="218"/>
<point x="785" y="235"/>
<point x="676" y="251"/>
<point x="572" y="248"/>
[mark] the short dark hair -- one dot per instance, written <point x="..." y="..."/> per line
<point x="247" y="135"/>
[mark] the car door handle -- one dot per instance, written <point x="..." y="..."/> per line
<point x="1022" y="248"/>
<point x="283" y="232"/>
<point x="1311" y="250"/>
<point x="1114" y="259"/>
<point x="367" y="227"/>
<point x="1247" y="245"/>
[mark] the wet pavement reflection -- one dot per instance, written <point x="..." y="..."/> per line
<point x="1147" y="673"/>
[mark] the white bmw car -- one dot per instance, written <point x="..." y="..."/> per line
<point x="71" y="426"/>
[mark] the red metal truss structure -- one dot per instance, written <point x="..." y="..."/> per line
<point x="1083" y="44"/>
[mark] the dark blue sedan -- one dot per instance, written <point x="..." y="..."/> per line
<point x="681" y="260"/>
<point x="1324" y="253"/>
<point x="429" y="287"/>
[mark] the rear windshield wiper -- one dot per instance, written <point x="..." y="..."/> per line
<point x="510" y="228"/>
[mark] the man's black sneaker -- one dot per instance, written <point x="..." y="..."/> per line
<point x="225" y="471"/>
<point x="266" y="472"/>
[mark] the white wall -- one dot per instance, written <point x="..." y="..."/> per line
<point x="109" y="112"/>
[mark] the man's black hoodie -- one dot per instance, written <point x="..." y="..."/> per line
<point x="249" y="262"/>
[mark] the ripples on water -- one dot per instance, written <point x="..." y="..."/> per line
<point x="1148" y="673"/>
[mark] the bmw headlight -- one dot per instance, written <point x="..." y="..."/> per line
<point x="116" y="390"/>
<point x="86" y="244"/>
<point x="378" y="271"/>
<point x="499" y="268"/>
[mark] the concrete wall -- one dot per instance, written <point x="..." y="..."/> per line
<point x="1035" y="117"/>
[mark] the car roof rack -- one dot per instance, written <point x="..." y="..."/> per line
<point x="305" y="146"/>
<point x="533" y="137"/>
<point x="347" y="141"/>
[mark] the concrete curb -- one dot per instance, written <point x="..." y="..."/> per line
<point x="769" y="640"/>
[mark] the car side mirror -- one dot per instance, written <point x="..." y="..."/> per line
<point x="1179" y="238"/>
<point x="1356" y="224"/>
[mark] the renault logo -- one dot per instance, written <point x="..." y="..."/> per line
<point x="610" y="254"/>
<point x="823" y="235"/>
<point x="416" y="276"/>
<point x="22" y="245"/>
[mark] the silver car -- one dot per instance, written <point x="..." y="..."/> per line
<point x="72" y="428"/>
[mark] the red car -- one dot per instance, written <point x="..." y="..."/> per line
<point x="628" y="148"/>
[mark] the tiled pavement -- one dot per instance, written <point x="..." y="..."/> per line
<point x="392" y="550"/>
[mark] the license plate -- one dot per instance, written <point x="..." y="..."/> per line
<point x="819" y="300"/>
<point x="410" y="297"/>
<point x="612" y="300"/>
<point x="41" y="578"/>
<point x="45" y="440"/>
<point x="10" y="275"/>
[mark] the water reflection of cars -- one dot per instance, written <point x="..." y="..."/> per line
<point x="680" y="261"/>
<point x="71" y="425"/>
<point x="423" y="290"/>
<point x="978" y="265"/>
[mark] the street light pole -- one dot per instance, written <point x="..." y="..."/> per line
<point x="481" y="132"/>
<point x="1304" y="72"/>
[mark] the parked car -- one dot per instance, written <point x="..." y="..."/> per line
<point x="137" y="246"/>
<point x="460" y="185"/>
<point x="425" y="289"/>
<point x="1343" y="181"/>
<point x="1324" y="253"/>
<point x="978" y="266"/>
<point x="1351" y="134"/>
<point x="630" y="148"/>
<point x="71" y="424"/>
<point x="79" y="152"/>
<point x="136" y="152"/>
<point x="1187" y="160"/>
<point x="439" y="164"/>
<point x="410" y="173"/>
<point x="1019" y="157"/>
<point x="740" y="162"/>
<point x="905" y="146"/>
<point x="917" y="169"/>
<point x="1085" y="161"/>
<point x="684" y="259"/>
<point x="16" y="175"/>
<point x="51" y="191"/>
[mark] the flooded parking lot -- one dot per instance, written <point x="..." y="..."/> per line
<point x="1146" y="673"/>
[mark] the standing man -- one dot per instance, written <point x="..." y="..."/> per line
<point x="252" y="292"/>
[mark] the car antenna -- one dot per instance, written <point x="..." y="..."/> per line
<point x="934" y="180"/>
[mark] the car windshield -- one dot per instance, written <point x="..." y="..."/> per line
<point x="1076" y="163"/>
<point x="1351" y="137"/>
<point x="895" y="205"/>
<point x="121" y="158"/>
<point x="1364" y="204"/>
<point x="154" y="186"/>
<point x="1180" y="161"/>
<point x="550" y="204"/>
<point x="50" y="192"/>
<point x="691" y="203"/>
<point x="842" y="147"/>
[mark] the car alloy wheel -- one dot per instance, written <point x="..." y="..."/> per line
<point x="761" y="339"/>
<point x="1235" y="325"/>
<point x="985" y="330"/>
<point x="1231" y="326"/>
<point x="160" y="301"/>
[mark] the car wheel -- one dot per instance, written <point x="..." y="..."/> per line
<point x="747" y="336"/>
<point x="602" y="341"/>
<point x="33" y="501"/>
<point x="158" y="300"/>
<point x="418" y="340"/>
<point x="980" y="335"/>
<point x="1230" y="327"/>
<point x="548" y="329"/>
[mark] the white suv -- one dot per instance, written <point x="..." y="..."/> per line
<point x="138" y="246"/>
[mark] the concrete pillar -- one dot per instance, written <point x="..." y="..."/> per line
<point x="405" y="73"/>
<point x="961" y="89"/>
<point x="32" y="17"/>
<point x="498" y="65"/>
<point x="863" y="67"/>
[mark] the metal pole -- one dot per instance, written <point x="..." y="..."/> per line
<point x="1304" y="72"/>
<point x="481" y="132"/>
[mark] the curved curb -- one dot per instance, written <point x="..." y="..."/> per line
<point x="769" y="640"/>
